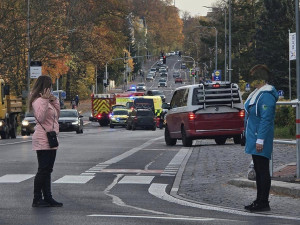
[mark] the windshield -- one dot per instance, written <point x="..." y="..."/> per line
<point x="157" y="93"/>
<point x="68" y="114"/>
<point x="29" y="114"/>
<point x="141" y="84"/>
<point x="121" y="112"/>
<point x="144" y="113"/>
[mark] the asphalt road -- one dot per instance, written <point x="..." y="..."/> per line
<point x="108" y="176"/>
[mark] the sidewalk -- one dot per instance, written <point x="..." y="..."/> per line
<point x="216" y="175"/>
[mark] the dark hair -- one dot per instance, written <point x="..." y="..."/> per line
<point x="43" y="82"/>
<point x="261" y="72"/>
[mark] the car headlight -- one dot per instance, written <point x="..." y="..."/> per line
<point x="75" y="122"/>
<point x="25" y="123"/>
<point x="1" y="123"/>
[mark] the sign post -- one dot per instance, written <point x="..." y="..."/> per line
<point x="35" y="69"/>
<point x="292" y="56"/>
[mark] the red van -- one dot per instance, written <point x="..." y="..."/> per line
<point x="205" y="111"/>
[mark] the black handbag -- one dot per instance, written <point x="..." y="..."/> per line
<point x="52" y="139"/>
<point x="51" y="135"/>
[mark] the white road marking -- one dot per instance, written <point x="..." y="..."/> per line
<point x="71" y="179"/>
<point x="159" y="191"/>
<point x="175" y="163"/>
<point x="136" y="180"/>
<point x="89" y="174"/>
<point x="15" y="178"/>
<point x="155" y="217"/>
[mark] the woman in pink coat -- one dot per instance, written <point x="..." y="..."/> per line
<point x="46" y="109"/>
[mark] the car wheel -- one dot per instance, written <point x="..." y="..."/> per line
<point x="237" y="139"/>
<point x="220" y="140"/>
<point x="169" y="141"/>
<point x="111" y="126"/>
<point x="24" y="133"/>
<point x="186" y="141"/>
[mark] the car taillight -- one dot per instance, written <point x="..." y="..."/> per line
<point x="192" y="116"/>
<point x="242" y="113"/>
<point x="135" y="118"/>
<point x="216" y="85"/>
<point x="99" y="116"/>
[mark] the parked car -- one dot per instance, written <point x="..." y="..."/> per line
<point x="178" y="80"/>
<point x="143" y="118"/>
<point x="141" y="87"/>
<point x="70" y="120"/>
<point x="205" y="111"/>
<point x="118" y="117"/>
<point x="28" y="124"/>
<point x="157" y="93"/>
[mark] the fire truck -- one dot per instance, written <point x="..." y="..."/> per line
<point x="102" y="107"/>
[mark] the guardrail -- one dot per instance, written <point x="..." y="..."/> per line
<point x="291" y="142"/>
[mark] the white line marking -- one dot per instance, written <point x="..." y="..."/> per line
<point x="71" y="179"/>
<point x="136" y="180"/>
<point x="159" y="191"/>
<point x="20" y="142"/>
<point x="91" y="174"/>
<point x="155" y="217"/>
<point x="15" y="178"/>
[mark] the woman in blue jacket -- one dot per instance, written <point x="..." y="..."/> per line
<point x="259" y="131"/>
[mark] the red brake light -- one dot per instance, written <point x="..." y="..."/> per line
<point x="216" y="85"/>
<point x="99" y="116"/>
<point x="192" y="116"/>
<point x="242" y="113"/>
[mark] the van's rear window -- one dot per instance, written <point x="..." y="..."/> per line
<point x="215" y="96"/>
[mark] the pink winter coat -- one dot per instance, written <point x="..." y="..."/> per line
<point x="46" y="112"/>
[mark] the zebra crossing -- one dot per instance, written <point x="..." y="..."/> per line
<point x="169" y="171"/>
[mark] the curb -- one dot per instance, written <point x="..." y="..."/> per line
<point x="278" y="187"/>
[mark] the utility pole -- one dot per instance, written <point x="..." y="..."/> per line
<point x="230" y="69"/>
<point x="28" y="36"/>
<point x="298" y="87"/>
<point x="225" y="48"/>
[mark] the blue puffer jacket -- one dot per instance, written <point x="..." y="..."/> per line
<point x="259" y="120"/>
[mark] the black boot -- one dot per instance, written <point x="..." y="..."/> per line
<point x="40" y="203"/>
<point x="248" y="207"/>
<point x="260" y="206"/>
<point x="48" y="195"/>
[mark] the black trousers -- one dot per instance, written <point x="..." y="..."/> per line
<point x="263" y="178"/>
<point x="42" y="180"/>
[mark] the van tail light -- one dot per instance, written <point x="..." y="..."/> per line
<point x="242" y="113"/>
<point x="217" y="85"/>
<point x="99" y="116"/>
<point x="192" y="116"/>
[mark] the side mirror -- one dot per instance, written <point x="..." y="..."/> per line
<point x="166" y="105"/>
<point x="80" y="116"/>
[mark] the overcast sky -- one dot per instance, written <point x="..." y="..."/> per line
<point x="195" y="7"/>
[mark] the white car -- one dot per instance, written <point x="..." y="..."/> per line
<point x="141" y="87"/>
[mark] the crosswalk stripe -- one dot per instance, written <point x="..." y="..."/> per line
<point x="15" y="178"/>
<point x="72" y="179"/>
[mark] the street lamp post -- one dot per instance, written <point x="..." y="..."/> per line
<point x="28" y="36"/>
<point x="216" y="43"/>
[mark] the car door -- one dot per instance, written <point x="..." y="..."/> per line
<point x="173" y="117"/>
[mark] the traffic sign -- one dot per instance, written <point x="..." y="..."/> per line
<point x="280" y="93"/>
<point x="35" y="69"/>
<point x="217" y="75"/>
<point x="247" y="87"/>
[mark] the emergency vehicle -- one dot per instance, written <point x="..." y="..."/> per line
<point x="102" y="107"/>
